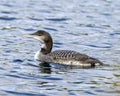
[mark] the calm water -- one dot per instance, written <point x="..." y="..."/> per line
<point x="90" y="27"/>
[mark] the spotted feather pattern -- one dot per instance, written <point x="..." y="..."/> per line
<point x="69" y="57"/>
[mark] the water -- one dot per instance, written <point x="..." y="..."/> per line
<point x="90" y="27"/>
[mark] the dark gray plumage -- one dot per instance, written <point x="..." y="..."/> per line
<point x="70" y="57"/>
<point x="67" y="57"/>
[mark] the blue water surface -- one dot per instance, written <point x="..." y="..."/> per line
<point x="87" y="26"/>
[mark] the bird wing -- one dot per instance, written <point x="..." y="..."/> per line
<point x="70" y="55"/>
<point x="67" y="55"/>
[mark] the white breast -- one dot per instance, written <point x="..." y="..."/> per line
<point x="37" y="55"/>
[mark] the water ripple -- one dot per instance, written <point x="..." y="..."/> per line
<point x="8" y="5"/>
<point x="17" y="60"/>
<point x="99" y="46"/>
<point x="17" y="76"/>
<point x="8" y="18"/>
<point x="51" y="29"/>
<point x="90" y="93"/>
<point x="36" y="19"/>
<point x="57" y="19"/>
<point x="23" y="93"/>
<point x="52" y="78"/>
<point x="29" y="29"/>
<point x="116" y="33"/>
<point x="8" y="12"/>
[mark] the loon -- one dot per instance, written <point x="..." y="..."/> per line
<point x="65" y="57"/>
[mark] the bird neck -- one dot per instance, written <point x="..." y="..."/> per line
<point x="46" y="46"/>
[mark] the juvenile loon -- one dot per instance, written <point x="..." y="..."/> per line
<point x="66" y="57"/>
